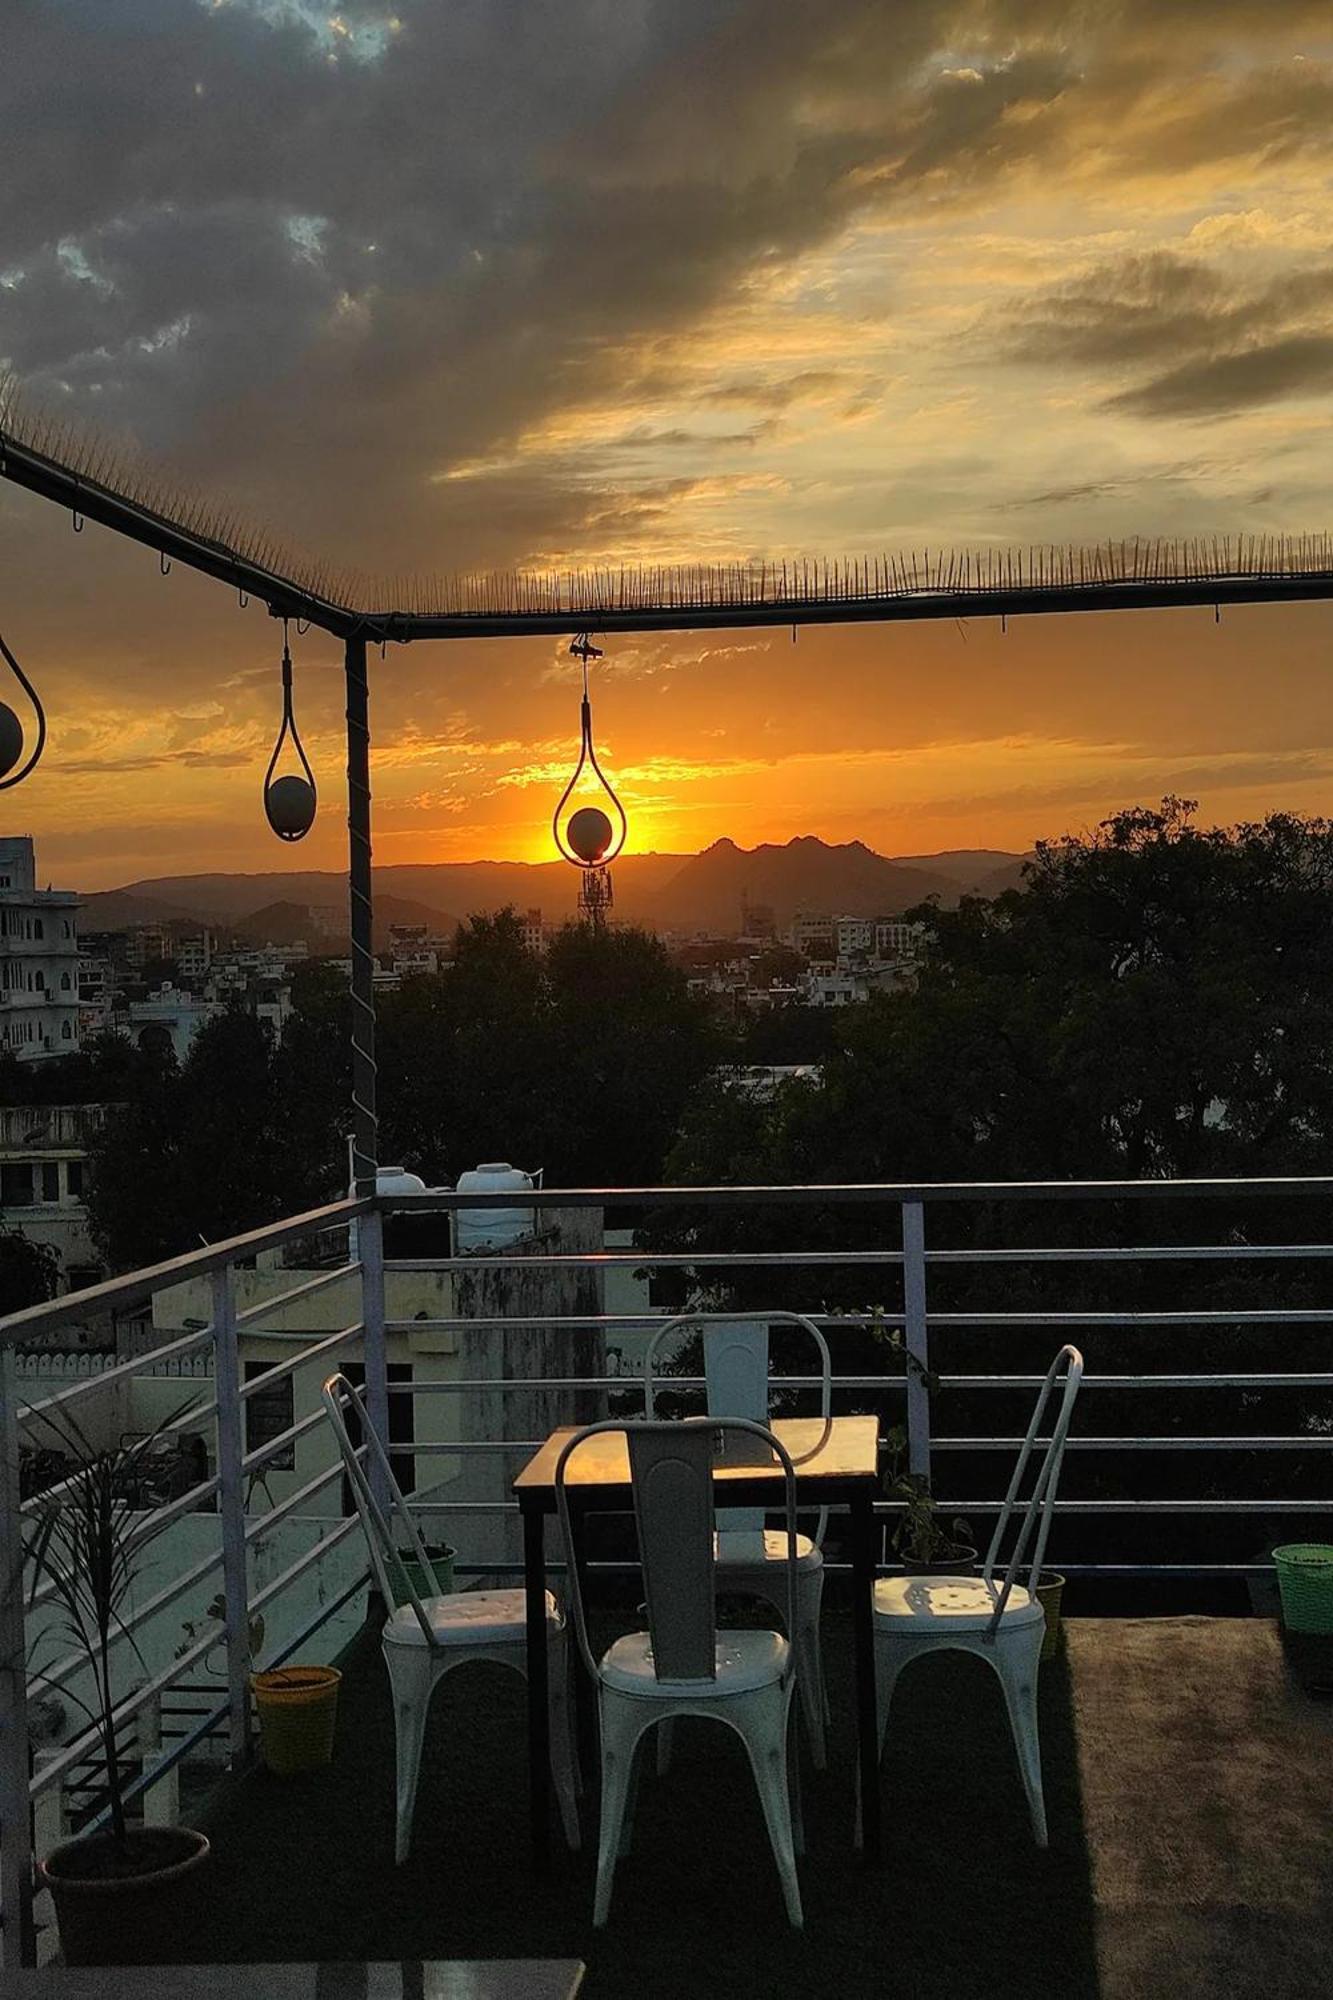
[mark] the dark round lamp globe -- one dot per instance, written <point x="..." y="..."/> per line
<point x="589" y="834"/>
<point x="11" y="740"/>
<point x="290" y="805"/>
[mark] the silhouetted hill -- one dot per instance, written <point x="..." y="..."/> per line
<point x="668" y="891"/>
<point x="969" y="867"/>
<point x="805" y="874"/>
<point x="284" y="923"/>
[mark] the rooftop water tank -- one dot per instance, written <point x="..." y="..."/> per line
<point x="495" y="1228"/>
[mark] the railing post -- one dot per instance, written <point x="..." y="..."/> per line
<point x="161" y="1797"/>
<point x="371" y="1241"/>
<point x="19" y="1943"/>
<point x="916" y="1338"/>
<point x="231" y="1512"/>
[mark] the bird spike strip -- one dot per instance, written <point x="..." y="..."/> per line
<point x="584" y="597"/>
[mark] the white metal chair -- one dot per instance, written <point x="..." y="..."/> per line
<point x="1002" y="1622"/>
<point x="426" y="1638"/>
<point x="750" y="1558"/>
<point x="683" y="1665"/>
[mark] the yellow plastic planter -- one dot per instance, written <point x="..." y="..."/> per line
<point x="298" y="1710"/>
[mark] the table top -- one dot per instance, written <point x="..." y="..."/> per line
<point x="825" y="1452"/>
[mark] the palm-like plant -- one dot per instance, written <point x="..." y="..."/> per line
<point x="86" y="1542"/>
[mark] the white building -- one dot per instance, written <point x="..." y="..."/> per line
<point x="895" y="939"/>
<point x="39" y="959"/>
<point x="534" y="931"/>
<point x="169" y="1011"/>
<point x="43" y="1163"/>
<point x="809" y="929"/>
<point x="194" y="955"/>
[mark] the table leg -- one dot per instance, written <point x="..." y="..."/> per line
<point x="863" y="1635"/>
<point x="582" y="1689"/>
<point x="539" y="1717"/>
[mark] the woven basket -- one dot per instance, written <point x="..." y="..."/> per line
<point x="298" y="1710"/>
<point x="1305" y="1579"/>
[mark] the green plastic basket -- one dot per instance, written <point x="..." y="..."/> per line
<point x="1305" y="1580"/>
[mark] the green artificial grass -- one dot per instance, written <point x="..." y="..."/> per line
<point x="961" y="1904"/>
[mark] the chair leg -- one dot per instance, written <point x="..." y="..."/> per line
<point x="664" y="1746"/>
<point x="810" y="1669"/>
<point x="564" y="1762"/>
<point x="794" y="1783"/>
<point x="1016" y="1661"/>
<point x="637" y="1756"/>
<point x="412" y="1677"/>
<point x="621" y="1729"/>
<point x="889" y="1663"/>
<point x="762" y="1720"/>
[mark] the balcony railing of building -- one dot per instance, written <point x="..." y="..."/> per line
<point x="902" y="1244"/>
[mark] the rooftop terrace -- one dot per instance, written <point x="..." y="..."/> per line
<point x="1189" y="1785"/>
<point x="1189" y="1781"/>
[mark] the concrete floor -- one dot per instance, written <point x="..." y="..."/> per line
<point x="1207" y="1794"/>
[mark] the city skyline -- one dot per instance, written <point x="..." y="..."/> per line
<point x="688" y="283"/>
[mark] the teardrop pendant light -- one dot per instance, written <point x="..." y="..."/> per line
<point x="14" y="767"/>
<point x="289" y="802"/>
<point x="589" y="839"/>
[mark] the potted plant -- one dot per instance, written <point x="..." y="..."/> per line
<point x="86" y="1544"/>
<point x="926" y="1545"/>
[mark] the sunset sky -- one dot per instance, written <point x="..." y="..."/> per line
<point x="438" y="286"/>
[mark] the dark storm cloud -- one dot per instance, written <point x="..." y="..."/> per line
<point x="1226" y="349"/>
<point x="323" y="267"/>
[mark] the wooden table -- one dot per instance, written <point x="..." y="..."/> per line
<point x="836" y="1460"/>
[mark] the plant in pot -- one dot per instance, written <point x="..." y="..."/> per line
<point x="85" y="1548"/>
<point x="925" y="1543"/>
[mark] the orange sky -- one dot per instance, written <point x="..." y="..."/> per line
<point x="988" y="272"/>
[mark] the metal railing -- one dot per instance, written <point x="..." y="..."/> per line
<point x="904" y="1254"/>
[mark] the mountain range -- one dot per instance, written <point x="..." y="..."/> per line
<point x="680" y="892"/>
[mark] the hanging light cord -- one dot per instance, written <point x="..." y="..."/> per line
<point x="17" y="777"/>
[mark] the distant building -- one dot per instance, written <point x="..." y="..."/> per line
<point x="146" y="942"/>
<point x="412" y="951"/>
<point x="39" y="959"/>
<point x="43" y="1161"/>
<point x="194" y="955"/>
<point x="534" y="930"/>
<point x="169" y="1012"/>
<point x="757" y="919"/>
<point x="811" y="930"/>
<point x="895" y="939"/>
<point x="854" y="936"/>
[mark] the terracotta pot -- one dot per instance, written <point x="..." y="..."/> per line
<point x="108" y="1917"/>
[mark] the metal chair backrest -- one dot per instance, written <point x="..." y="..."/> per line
<point x="394" y="1583"/>
<point x="736" y="1385"/>
<point x="1029" y="1551"/>
<point x="672" y="1466"/>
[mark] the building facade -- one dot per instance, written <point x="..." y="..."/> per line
<point x="43" y="1168"/>
<point x="39" y="959"/>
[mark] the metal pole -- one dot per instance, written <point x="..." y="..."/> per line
<point x="371" y="1238"/>
<point x="17" y="1943"/>
<point x="365" y="1149"/>
<point x="231" y="1512"/>
<point x="916" y="1338"/>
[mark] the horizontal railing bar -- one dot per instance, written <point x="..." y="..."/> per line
<point x="262" y="1453"/>
<point x="656" y="1260"/>
<point x="76" y="1751"/>
<point x="806" y="1195"/>
<point x="313" y="1555"/>
<point x="613" y="1322"/>
<point x="294" y="1501"/>
<point x="1155" y="1443"/>
<point x="281" y="1300"/>
<point x="837" y="1568"/>
<point x="294" y="1361"/>
<point x="136" y="1286"/>
<point x="149" y="1527"/>
<point x="208" y="1726"/>
<point x="1127" y="1253"/>
<point x="84" y="1385"/>
<point x="631" y="1380"/>
<point x="55" y="1677"/>
<point x="1128" y="1506"/>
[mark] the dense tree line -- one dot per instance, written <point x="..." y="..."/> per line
<point x="579" y="1060"/>
<point x="1156" y="1002"/>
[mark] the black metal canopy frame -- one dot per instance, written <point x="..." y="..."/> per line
<point x="93" y="482"/>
